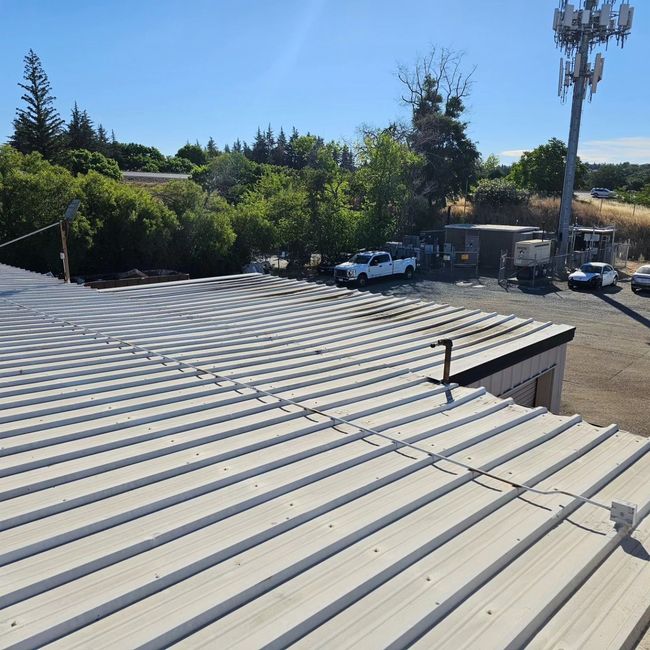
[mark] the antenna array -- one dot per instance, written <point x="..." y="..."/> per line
<point x="579" y="29"/>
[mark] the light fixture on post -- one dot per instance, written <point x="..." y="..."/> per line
<point x="578" y="30"/>
<point x="64" y="227"/>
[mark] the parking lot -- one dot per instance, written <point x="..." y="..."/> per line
<point x="607" y="375"/>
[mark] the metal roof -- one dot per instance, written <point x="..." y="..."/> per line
<point x="153" y="176"/>
<point x="207" y="464"/>
<point x="491" y="227"/>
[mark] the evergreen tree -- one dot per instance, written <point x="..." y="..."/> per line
<point x="113" y="146"/>
<point x="211" y="149"/>
<point x="39" y="126"/>
<point x="270" y="143"/>
<point x="279" y="153"/>
<point x="259" y="152"/>
<point x="80" y="132"/>
<point x="435" y="91"/>
<point x="193" y="152"/>
<point x="347" y="159"/>
<point x="101" y="143"/>
<point x="291" y="149"/>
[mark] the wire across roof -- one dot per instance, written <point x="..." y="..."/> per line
<point x="195" y="463"/>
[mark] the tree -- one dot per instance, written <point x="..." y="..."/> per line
<point x="80" y="133"/>
<point x="435" y="90"/>
<point x="176" y="165"/>
<point x="194" y="153"/>
<point x="347" y="159"/>
<point x="206" y="235"/>
<point x="130" y="228"/>
<point x="211" y="149"/>
<point x="103" y="145"/>
<point x="498" y="192"/>
<point x="260" y="152"/>
<point x="282" y="199"/>
<point x="542" y="169"/>
<point x="491" y="168"/>
<point x="385" y="177"/>
<point x="33" y="194"/>
<point x="82" y="161"/>
<point x="229" y="175"/>
<point x="612" y="177"/>
<point x="39" y="126"/>
<point x="136" y="157"/>
<point x="279" y="153"/>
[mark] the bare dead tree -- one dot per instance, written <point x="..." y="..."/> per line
<point x="440" y="71"/>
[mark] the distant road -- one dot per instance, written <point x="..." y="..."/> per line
<point x="586" y="196"/>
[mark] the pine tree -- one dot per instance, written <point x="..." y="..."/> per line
<point x="39" y="126"/>
<point x="292" y="157"/>
<point x="259" y="152"/>
<point x="347" y="159"/>
<point x="211" y="149"/>
<point x="269" y="140"/>
<point x="114" y="147"/>
<point x="279" y="153"/>
<point x="80" y="132"/>
<point x="102" y="140"/>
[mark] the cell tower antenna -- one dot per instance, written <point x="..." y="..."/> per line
<point x="580" y="28"/>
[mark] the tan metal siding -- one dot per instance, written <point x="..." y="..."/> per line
<point x="501" y="383"/>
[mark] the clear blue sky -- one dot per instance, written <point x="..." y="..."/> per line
<point x="168" y="71"/>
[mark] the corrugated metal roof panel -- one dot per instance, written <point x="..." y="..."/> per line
<point x="152" y="497"/>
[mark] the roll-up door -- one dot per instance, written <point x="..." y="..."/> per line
<point x="524" y="395"/>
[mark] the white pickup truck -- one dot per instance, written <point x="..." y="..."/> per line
<point x="372" y="264"/>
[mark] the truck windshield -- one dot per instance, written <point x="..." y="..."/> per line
<point x="360" y="259"/>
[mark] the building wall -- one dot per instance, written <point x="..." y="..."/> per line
<point x="544" y="368"/>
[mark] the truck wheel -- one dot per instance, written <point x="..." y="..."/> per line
<point x="362" y="280"/>
<point x="408" y="274"/>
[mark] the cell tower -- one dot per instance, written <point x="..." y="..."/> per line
<point x="579" y="29"/>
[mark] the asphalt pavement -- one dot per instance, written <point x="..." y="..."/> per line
<point x="607" y="376"/>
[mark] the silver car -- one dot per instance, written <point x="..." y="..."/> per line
<point x="641" y="279"/>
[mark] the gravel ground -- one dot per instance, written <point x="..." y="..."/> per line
<point x="608" y="362"/>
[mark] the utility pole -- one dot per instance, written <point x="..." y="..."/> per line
<point x="63" y="227"/>
<point x="577" y="32"/>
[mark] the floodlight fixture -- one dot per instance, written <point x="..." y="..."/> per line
<point x="71" y="210"/>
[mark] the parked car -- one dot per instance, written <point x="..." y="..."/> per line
<point x="601" y="193"/>
<point x="373" y="264"/>
<point x="641" y="279"/>
<point x="594" y="275"/>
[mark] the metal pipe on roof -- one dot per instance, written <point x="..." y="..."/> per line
<point x="448" y="343"/>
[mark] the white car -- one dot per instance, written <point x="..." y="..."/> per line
<point x="601" y="193"/>
<point x="641" y="279"/>
<point x="594" y="275"/>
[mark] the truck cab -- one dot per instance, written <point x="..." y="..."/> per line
<point x="369" y="265"/>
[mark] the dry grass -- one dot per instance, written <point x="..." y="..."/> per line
<point x="631" y="224"/>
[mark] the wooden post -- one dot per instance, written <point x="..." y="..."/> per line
<point x="63" y="226"/>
